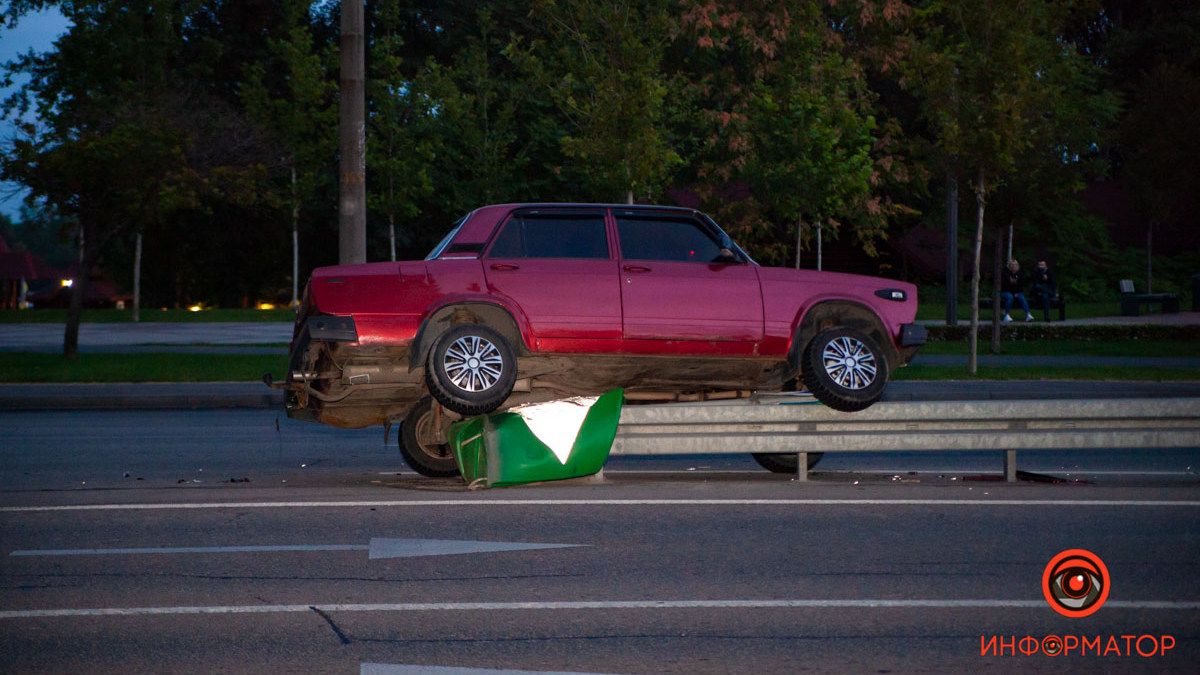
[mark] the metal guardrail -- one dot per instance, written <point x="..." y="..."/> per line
<point x="797" y="425"/>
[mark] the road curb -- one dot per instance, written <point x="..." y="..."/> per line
<point x="154" y="396"/>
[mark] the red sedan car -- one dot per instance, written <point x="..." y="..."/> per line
<point x="531" y="302"/>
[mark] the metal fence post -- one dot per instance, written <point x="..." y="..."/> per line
<point x="1010" y="466"/>
<point x="802" y="465"/>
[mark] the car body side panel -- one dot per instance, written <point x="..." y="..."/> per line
<point x="699" y="302"/>
<point x="789" y="294"/>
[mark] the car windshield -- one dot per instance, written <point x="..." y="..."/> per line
<point x="437" y="250"/>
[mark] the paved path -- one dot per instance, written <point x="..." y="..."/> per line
<point x="1173" y="362"/>
<point x="1180" y="319"/>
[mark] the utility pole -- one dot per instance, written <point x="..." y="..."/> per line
<point x="352" y="139"/>
<point x="951" y="249"/>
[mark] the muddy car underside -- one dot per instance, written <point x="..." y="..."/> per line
<point x="352" y="385"/>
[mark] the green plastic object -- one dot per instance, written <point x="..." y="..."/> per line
<point x="501" y="449"/>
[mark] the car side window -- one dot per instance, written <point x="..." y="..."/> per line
<point x="552" y="236"/>
<point x="672" y="238"/>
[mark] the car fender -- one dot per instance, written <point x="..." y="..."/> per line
<point x="487" y="309"/>
<point x="812" y="317"/>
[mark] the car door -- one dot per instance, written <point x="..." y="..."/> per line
<point x="556" y="265"/>
<point x="675" y="286"/>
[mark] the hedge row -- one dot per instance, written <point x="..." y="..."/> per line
<point x="1051" y="331"/>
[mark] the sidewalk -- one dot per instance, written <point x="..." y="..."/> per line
<point x="1180" y="319"/>
<point x="252" y="395"/>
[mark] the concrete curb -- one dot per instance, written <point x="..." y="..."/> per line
<point x="150" y="396"/>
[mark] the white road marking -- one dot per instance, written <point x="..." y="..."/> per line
<point x="379" y="548"/>
<point x="405" y="669"/>
<point x="879" y="603"/>
<point x="1187" y="503"/>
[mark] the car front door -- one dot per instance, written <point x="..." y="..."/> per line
<point x="556" y="265"/>
<point x="675" y="284"/>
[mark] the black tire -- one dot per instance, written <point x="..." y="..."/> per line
<point x="844" y="369"/>
<point x="434" y="460"/>
<point x="471" y="389"/>
<point x="784" y="463"/>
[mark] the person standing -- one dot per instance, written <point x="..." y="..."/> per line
<point x="1044" y="285"/>
<point x="1012" y="286"/>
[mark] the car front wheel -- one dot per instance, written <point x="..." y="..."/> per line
<point x="471" y="369"/>
<point x="844" y="369"/>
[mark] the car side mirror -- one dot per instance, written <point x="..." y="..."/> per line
<point x="727" y="256"/>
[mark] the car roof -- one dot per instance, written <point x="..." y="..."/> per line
<point x="559" y="205"/>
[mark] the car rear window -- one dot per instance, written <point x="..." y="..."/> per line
<point x="662" y="237"/>
<point x="552" y="236"/>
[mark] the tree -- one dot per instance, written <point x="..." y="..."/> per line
<point x="122" y="139"/>
<point x="292" y="97"/>
<point x="601" y="65"/>
<point x="985" y="72"/>
<point x="399" y="151"/>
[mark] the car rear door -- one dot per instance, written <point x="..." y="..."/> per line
<point x="557" y="266"/>
<point x="674" y="287"/>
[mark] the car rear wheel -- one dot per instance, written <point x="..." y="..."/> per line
<point x="844" y="369"/>
<point x="784" y="463"/>
<point x="471" y="369"/>
<point x="419" y="444"/>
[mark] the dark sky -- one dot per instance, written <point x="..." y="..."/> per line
<point x="37" y="32"/>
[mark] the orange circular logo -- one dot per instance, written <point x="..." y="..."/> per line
<point x="1075" y="583"/>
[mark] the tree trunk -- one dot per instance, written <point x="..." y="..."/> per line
<point x="819" y="249"/>
<point x="951" y="249"/>
<point x="1150" y="258"/>
<point x="1010" y="243"/>
<point x="799" y="239"/>
<point x="629" y="196"/>
<point x="996" y="270"/>
<point x="75" y="309"/>
<point x="973" y="340"/>
<point x="392" y="234"/>
<point x="137" y="277"/>
<point x="295" y="241"/>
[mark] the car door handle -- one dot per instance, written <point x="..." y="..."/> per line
<point x="635" y="268"/>
<point x="505" y="266"/>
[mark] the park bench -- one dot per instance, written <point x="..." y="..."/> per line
<point x="1131" y="302"/>
<point x="1035" y="301"/>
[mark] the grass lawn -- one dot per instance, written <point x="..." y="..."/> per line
<point x="1149" y="348"/>
<point x="930" y="309"/>
<point x="37" y="367"/>
<point x="148" y="315"/>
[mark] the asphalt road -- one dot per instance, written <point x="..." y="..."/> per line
<point x="703" y="564"/>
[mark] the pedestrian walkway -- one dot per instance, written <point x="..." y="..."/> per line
<point x="1178" y="319"/>
<point x="1065" y="361"/>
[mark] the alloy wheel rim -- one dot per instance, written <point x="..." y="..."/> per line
<point x="849" y="363"/>
<point x="473" y="363"/>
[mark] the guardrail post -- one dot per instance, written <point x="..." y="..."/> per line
<point x="1010" y="466"/>
<point x="802" y="465"/>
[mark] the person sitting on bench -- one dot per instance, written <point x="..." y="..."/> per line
<point x="1044" y="286"/>
<point x="1012" y="285"/>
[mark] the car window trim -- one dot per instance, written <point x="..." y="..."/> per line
<point x="551" y="211"/>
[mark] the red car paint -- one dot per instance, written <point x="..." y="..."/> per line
<point x="599" y="306"/>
